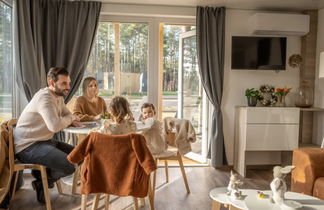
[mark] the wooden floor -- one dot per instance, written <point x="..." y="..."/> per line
<point x="171" y="196"/>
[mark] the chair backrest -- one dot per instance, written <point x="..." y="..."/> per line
<point x="7" y="167"/>
<point x="114" y="159"/>
<point x="11" y="143"/>
<point x="170" y="139"/>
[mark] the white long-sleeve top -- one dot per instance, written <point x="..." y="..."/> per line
<point x="44" y="115"/>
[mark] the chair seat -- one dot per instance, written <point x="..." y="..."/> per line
<point x="167" y="153"/>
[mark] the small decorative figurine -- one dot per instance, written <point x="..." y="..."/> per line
<point x="233" y="185"/>
<point x="278" y="185"/>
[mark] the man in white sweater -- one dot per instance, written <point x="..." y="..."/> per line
<point x="45" y="115"/>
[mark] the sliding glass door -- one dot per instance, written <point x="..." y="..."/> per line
<point x="190" y="93"/>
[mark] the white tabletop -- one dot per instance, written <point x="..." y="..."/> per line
<point x="308" y="202"/>
<point x="140" y="127"/>
<point x="84" y="130"/>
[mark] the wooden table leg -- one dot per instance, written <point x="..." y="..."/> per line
<point x="216" y="205"/>
<point x="231" y="207"/>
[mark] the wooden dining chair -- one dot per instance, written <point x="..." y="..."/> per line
<point x="102" y="148"/>
<point x="97" y="197"/>
<point x="170" y="155"/>
<point x="15" y="166"/>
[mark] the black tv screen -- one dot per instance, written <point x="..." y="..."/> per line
<point x="259" y="53"/>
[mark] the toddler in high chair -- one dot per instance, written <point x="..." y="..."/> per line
<point x="121" y="121"/>
<point x="153" y="133"/>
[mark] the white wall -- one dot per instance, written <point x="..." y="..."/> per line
<point x="237" y="81"/>
<point x="318" y="132"/>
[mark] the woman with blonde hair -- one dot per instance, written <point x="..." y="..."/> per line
<point x="90" y="106"/>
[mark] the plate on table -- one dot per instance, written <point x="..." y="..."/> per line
<point x="90" y="124"/>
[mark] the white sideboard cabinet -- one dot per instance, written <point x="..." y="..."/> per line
<point x="259" y="129"/>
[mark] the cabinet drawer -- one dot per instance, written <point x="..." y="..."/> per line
<point x="271" y="137"/>
<point x="272" y="115"/>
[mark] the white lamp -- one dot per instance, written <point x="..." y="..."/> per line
<point x="321" y="65"/>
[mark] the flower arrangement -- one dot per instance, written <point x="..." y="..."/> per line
<point x="267" y="95"/>
<point x="282" y="91"/>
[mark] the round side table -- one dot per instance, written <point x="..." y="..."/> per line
<point x="220" y="197"/>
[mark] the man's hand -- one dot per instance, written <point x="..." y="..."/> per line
<point x="97" y="117"/>
<point x="78" y="124"/>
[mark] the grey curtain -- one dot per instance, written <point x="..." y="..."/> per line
<point x="210" y="47"/>
<point x="53" y="33"/>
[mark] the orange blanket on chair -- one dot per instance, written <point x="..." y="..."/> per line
<point x="114" y="164"/>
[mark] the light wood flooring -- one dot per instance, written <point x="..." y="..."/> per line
<point x="171" y="196"/>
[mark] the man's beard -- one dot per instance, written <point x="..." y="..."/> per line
<point x="60" y="92"/>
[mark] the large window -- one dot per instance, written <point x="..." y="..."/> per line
<point x="119" y="61"/>
<point x="6" y="70"/>
<point x="149" y="61"/>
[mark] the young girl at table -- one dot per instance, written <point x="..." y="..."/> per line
<point x="121" y="121"/>
<point x="153" y="134"/>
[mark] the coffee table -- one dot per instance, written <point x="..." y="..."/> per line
<point x="250" y="200"/>
<point x="308" y="202"/>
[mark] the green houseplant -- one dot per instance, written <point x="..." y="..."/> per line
<point x="252" y="96"/>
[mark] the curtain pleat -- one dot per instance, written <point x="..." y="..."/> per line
<point x="210" y="47"/>
<point x="53" y="33"/>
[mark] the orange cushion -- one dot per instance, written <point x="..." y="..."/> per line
<point x="318" y="190"/>
<point x="309" y="167"/>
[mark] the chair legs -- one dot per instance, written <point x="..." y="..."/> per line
<point x="76" y="178"/>
<point x="135" y="203"/>
<point x="84" y="199"/>
<point x="15" y="184"/>
<point x="45" y="187"/>
<point x="44" y="182"/>
<point x="107" y="196"/>
<point x="183" y="172"/>
<point x="166" y="171"/>
<point x="59" y="187"/>
<point x="96" y="201"/>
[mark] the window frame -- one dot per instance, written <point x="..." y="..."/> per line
<point x="10" y="3"/>
<point x="155" y="61"/>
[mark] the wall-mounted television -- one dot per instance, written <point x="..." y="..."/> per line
<point x="259" y="53"/>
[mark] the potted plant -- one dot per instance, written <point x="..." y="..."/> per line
<point x="252" y="96"/>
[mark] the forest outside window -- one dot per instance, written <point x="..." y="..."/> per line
<point x="119" y="61"/>
<point x="6" y="69"/>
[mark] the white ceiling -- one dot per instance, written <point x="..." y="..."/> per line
<point x="234" y="4"/>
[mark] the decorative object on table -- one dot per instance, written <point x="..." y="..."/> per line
<point x="106" y="115"/>
<point x="233" y="186"/>
<point x="281" y="93"/>
<point x="267" y="96"/>
<point x="304" y="98"/>
<point x="278" y="185"/>
<point x="295" y="61"/>
<point x="262" y="195"/>
<point x="252" y="96"/>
